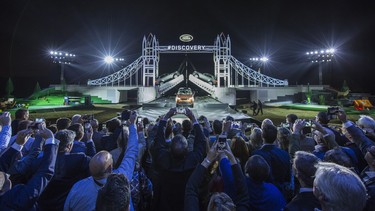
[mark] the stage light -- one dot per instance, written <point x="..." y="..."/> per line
<point x="108" y="59"/>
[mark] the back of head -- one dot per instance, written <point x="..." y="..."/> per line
<point x="76" y="118"/>
<point x="266" y="122"/>
<point x="336" y="186"/>
<point x="322" y="117"/>
<point x="94" y="124"/>
<point x="177" y="129"/>
<point x="21" y="114"/>
<point x="239" y="149"/>
<point x="269" y="133"/>
<point x="304" y="164"/>
<point x="113" y="124"/>
<point x="115" y="195"/>
<point x="291" y="118"/>
<point x="66" y="138"/>
<point x="63" y="123"/>
<point x="78" y="129"/>
<point x="338" y="156"/>
<point x="187" y="126"/>
<point x="101" y="165"/>
<point x="217" y="127"/>
<point x="256" y="138"/>
<point x="221" y="202"/>
<point x="283" y="137"/>
<point x="179" y="147"/>
<point x="366" y="122"/>
<point x="257" y="168"/>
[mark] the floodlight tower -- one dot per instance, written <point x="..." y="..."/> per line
<point x="111" y="60"/>
<point x="62" y="58"/>
<point x="258" y="61"/>
<point x="320" y="57"/>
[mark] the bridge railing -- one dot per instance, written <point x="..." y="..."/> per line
<point x="163" y="88"/>
<point x="117" y="77"/>
<point x="253" y="75"/>
<point x="202" y="84"/>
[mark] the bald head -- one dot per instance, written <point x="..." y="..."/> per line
<point x="101" y="165"/>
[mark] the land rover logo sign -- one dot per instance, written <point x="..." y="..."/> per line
<point x="186" y="38"/>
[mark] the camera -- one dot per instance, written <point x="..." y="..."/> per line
<point x="221" y="142"/>
<point x="36" y="123"/>
<point x="332" y="112"/>
<point x="87" y="125"/>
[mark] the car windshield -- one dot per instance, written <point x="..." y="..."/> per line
<point x="184" y="91"/>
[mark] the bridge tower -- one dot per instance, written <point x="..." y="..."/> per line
<point x="222" y="57"/>
<point x="150" y="56"/>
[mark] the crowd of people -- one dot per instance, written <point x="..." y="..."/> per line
<point x="136" y="164"/>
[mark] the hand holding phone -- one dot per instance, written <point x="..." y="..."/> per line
<point x="221" y="142"/>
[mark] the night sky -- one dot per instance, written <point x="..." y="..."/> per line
<point x="282" y="30"/>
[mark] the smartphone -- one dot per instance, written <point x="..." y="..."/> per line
<point x="139" y="119"/>
<point x="180" y="110"/>
<point x="36" y="123"/>
<point x="221" y="142"/>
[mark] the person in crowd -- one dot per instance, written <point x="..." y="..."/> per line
<point x="367" y="124"/>
<point x="76" y="118"/>
<point x="101" y="166"/>
<point x="115" y="194"/>
<point x="283" y="136"/>
<point x="263" y="196"/>
<point x="217" y="128"/>
<point x="240" y="150"/>
<point x="175" y="163"/>
<point x="23" y="125"/>
<point x="305" y="141"/>
<point x="336" y="186"/>
<point x="24" y="196"/>
<point x="70" y="168"/>
<point x="260" y="107"/>
<point x="87" y="146"/>
<point x="323" y="118"/>
<point x="21" y="114"/>
<point x="357" y="136"/>
<point x="277" y="159"/>
<point x="187" y="127"/>
<point x="6" y="130"/>
<point x="265" y="122"/>
<point x="338" y="156"/>
<point x="304" y="165"/>
<point x="256" y="140"/>
<point x="218" y="201"/>
<point x="96" y="135"/>
<point x="109" y="141"/>
<point x="290" y="120"/>
<point x="63" y="123"/>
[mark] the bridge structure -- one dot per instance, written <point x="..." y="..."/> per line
<point x="230" y="73"/>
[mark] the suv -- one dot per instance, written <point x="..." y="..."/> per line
<point x="166" y="77"/>
<point x="185" y="96"/>
<point x="208" y="78"/>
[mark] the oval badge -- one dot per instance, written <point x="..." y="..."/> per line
<point x="186" y="38"/>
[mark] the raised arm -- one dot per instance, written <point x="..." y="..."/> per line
<point x="23" y="197"/>
<point x="6" y="131"/>
<point x="128" y="162"/>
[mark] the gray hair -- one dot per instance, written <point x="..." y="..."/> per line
<point x="336" y="186"/>
<point x="256" y="138"/>
<point x="66" y="138"/>
<point x="366" y="122"/>
<point x="304" y="164"/>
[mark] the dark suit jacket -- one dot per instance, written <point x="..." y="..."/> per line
<point x="174" y="174"/>
<point x="23" y="197"/>
<point x="70" y="168"/>
<point x="279" y="162"/>
<point x="304" y="201"/>
<point x="241" y="199"/>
